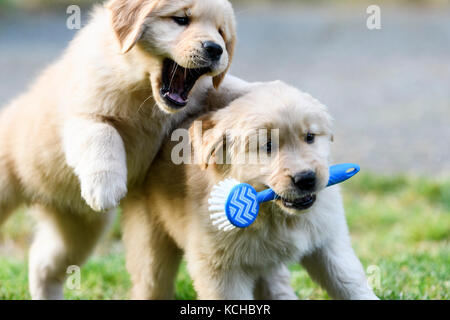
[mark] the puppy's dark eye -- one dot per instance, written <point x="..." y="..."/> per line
<point x="310" y="138"/>
<point x="181" y="21"/>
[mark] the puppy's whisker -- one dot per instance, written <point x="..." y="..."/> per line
<point x="155" y="109"/>
<point x="173" y="75"/>
<point x="142" y="104"/>
<point x="202" y="60"/>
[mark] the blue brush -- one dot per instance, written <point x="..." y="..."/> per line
<point x="234" y="204"/>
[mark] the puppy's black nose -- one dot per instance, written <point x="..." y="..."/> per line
<point x="305" y="180"/>
<point x="213" y="50"/>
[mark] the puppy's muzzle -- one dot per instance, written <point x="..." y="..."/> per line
<point x="305" y="184"/>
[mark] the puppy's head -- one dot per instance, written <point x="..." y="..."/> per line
<point x="182" y="39"/>
<point x="275" y="136"/>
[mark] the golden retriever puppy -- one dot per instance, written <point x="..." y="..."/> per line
<point x="88" y="129"/>
<point x="306" y="224"/>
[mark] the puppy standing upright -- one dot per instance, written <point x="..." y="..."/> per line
<point x="87" y="130"/>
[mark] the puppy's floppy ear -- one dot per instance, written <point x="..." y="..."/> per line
<point x="206" y="140"/>
<point x="127" y="19"/>
<point x="230" y="45"/>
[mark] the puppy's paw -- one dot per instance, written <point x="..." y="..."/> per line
<point x="103" y="191"/>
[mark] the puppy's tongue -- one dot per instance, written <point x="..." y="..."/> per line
<point x="176" y="97"/>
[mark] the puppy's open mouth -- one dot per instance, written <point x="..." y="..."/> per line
<point x="303" y="203"/>
<point x="177" y="83"/>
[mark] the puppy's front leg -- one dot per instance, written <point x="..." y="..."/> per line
<point x="275" y="284"/>
<point x="96" y="152"/>
<point x="337" y="269"/>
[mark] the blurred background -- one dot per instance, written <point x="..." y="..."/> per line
<point x="388" y="90"/>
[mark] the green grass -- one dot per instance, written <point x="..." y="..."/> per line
<point x="400" y="229"/>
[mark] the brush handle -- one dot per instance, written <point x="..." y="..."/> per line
<point x="342" y="172"/>
<point x="338" y="174"/>
<point x="266" y="196"/>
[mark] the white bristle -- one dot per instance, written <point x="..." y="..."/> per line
<point x="218" y="215"/>
<point x="230" y="227"/>
<point x="220" y="220"/>
<point x="217" y="200"/>
<point x="213" y="201"/>
<point x="224" y="225"/>
<point x="216" y="208"/>
<point x="217" y="194"/>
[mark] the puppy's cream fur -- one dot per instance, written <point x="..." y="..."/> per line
<point x="88" y="129"/>
<point x="173" y="217"/>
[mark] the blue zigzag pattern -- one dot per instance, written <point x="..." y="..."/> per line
<point x="244" y="206"/>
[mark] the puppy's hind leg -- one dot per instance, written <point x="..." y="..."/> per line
<point x="152" y="256"/>
<point x="10" y="197"/>
<point x="63" y="239"/>
<point x="8" y="202"/>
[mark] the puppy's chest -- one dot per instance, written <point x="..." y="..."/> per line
<point x="144" y="130"/>
<point x="271" y="245"/>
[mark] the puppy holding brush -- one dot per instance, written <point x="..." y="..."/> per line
<point x="305" y="222"/>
